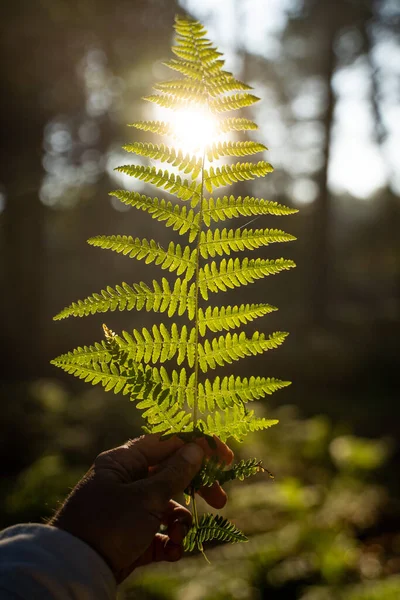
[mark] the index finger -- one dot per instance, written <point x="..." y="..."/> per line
<point x="155" y="450"/>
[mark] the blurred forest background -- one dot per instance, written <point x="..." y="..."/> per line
<point x="328" y="73"/>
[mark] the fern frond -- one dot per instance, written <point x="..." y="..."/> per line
<point x="233" y="102"/>
<point x="85" y="355"/>
<point x="158" y="127"/>
<point x="173" y="184"/>
<point x="231" y="347"/>
<point x="234" y="422"/>
<point x="229" y="317"/>
<point x="188" y="53"/>
<point x="221" y="209"/>
<point x="160" y="345"/>
<point x="180" y="85"/>
<point x="180" y="384"/>
<point x="231" y="390"/>
<point x="178" y="217"/>
<point x="222" y="84"/>
<point x="176" y="101"/>
<point x="108" y="375"/>
<point x="184" y="162"/>
<point x="236" y="124"/>
<point x="235" y="273"/>
<point x="212" y="527"/>
<point x="213" y="471"/>
<point x="164" y="417"/>
<point x="193" y="70"/>
<point x="179" y="399"/>
<point x="139" y="296"/>
<point x="219" y="149"/>
<point x="175" y="258"/>
<point x="223" y="242"/>
<point x="227" y="174"/>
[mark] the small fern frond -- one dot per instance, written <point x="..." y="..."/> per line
<point x="170" y="182"/>
<point x="180" y="85"/>
<point x="163" y="417"/>
<point x="193" y="70"/>
<point x="224" y="84"/>
<point x="221" y="209"/>
<point x="236" y="124"/>
<point x="231" y="347"/>
<point x="158" y="127"/>
<point x="175" y="101"/>
<point x="231" y="390"/>
<point x="175" y="258"/>
<point x="85" y="355"/>
<point x="108" y="375"/>
<point x="186" y="163"/>
<point x="180" y="384"/>
<point x="213" y="471"/>
<point x="228" y="174"/>
<point x="161" y="298"/>
<point x="160" y="345"/>
<point x="212" y="527"/>
<point x="178" y="217"/>
<point x="229" y="317"/>
<point x="235" y="273"/>
<point x="235" y="422"/>
<point x="223" y="242"/>
<point x="188" y="53"/>
<point x="233" y="102"/>
<point x="220" y="149"/>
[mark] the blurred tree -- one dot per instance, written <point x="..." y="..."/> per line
<point x="41" y="45"/>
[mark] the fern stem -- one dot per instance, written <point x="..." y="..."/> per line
<point x="197" y="289"/>
<point x="195" y="513"/>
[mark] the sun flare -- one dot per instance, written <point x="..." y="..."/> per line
<point x="194" y="129"/>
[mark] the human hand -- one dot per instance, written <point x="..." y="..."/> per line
<point x="119" y="505"/>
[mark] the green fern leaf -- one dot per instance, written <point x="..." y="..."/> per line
<point x="219" y="149"/>
<point x="212" y="527"/>
<point x="178" y="217"/>
<point x="186" y="163"/>
<point x="162" y="417"/>
<point x="179" y="384"/>
<point x="139" y="297"/>
<point x="180" y="85"/>
<point x="236" y="124"/>
<point x="228" y="174"/>
<point x="235" y="422"/>
<point x="163" y="179"/>
<point x="231" y="390"/>
<point x="235" y="273"/>
<point x="223" y="242"/>
<point x="229" y="317"/>
<point x="232" y="102"/>
<point x="224" y="208"/>
<point x="213" y="471"/>
<point x="175" y="258"/>
<point x="108" y="375"/>
<point x="231" y="347"/>
<point x="179" y="399"/>
<point x="174" y="102"/>
<point x="158" y="127"/>
<point x="85" y="355"/>
<point x="160" y="345"/>
<point x="223" y="84"/>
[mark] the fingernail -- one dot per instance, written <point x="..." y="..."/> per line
<point x="192" y="453"/>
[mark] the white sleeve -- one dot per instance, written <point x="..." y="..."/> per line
<point x="39" y="562"/>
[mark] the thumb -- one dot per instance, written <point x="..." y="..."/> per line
<point x="173" y="477"/>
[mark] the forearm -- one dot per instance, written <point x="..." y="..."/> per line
<point x="46" y="563"/>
